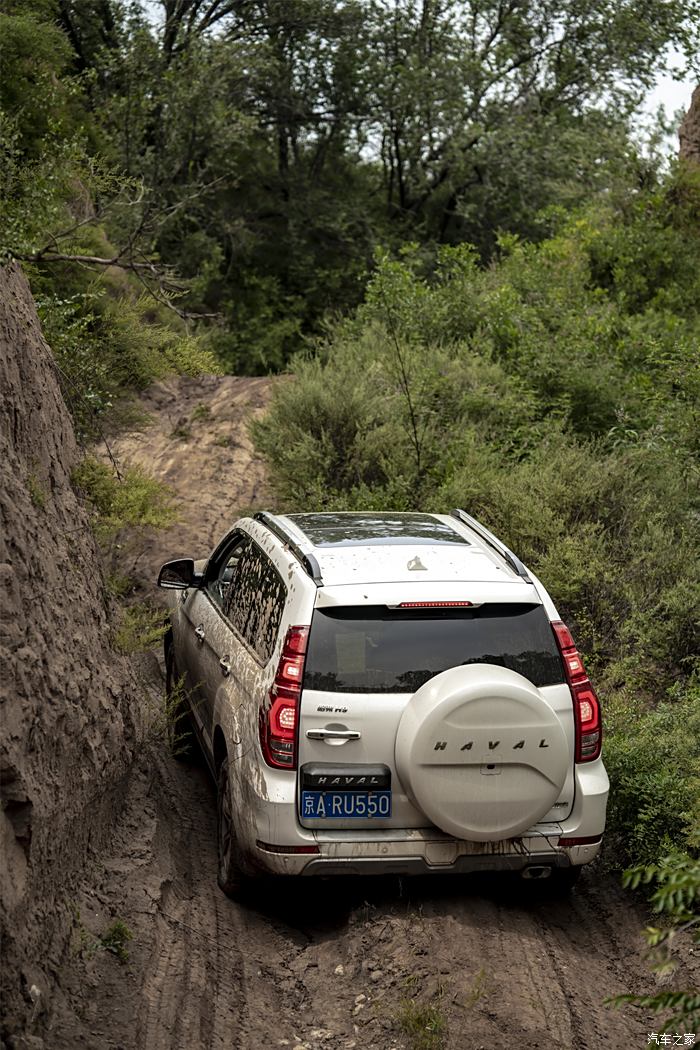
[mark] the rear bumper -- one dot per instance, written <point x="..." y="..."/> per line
<point x="272" y="826"/>
<point x="418" y="866"/>
<point x="368" y="858"/>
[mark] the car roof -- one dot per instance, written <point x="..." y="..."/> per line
<point x="353" y="529"/>
<point x="382" y="548"/>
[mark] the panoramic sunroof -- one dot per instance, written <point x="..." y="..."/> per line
<point x="348" y="530"/>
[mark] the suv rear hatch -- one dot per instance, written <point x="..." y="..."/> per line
<point x="364" y="667"/>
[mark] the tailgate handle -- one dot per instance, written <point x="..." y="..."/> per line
<point x="333" y="734"/>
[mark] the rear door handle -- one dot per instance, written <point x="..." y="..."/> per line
<point x="199" y="632"/>
<point x="333" y="734"/>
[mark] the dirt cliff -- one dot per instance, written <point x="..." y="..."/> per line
<point x="68" y="704"/>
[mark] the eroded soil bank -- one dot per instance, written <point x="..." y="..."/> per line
<point x="335" y="965"/>
<point x="71" y="712"/>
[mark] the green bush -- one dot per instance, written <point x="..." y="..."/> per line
<point x="676" y="897"/>
<point x="110" y="343"/>
<point x="130" y="501"/>
<point x="141" y="627"/>
<point x="116" y="938"/>
<point x="653" y="760"/>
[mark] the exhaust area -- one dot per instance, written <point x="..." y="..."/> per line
<point x="537" y="871"/>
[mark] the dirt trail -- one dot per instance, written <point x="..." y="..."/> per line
<point x="317" y="965"/>
<point x="195" y="439"/>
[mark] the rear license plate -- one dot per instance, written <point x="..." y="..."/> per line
<point x="345" y="805"/>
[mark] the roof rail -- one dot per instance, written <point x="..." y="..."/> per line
<point x="308" y="561"/>
<point x="486" y="535"/>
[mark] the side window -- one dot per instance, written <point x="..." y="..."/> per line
<point x="223" y="582"/>
<point x="255" y="600"/>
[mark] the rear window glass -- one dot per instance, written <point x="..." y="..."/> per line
<point x="380" y="650"/>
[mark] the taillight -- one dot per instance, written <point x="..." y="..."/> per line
<point x="580" y="840"/>
<point x="278" y="721"/>
<point x="589" y="729"/>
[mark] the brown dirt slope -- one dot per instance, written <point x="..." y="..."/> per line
<point x="67" y="702"/>
<point x="196" y="440"/>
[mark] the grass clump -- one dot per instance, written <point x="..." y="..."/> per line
<point x="123" y="508"/>
<point x="141" y="627"/>
<point x="182" y="432"/>
<point x="423" y="1023"/>
<point x="116" y="938"/>
<point x="200" y="413"/>
<point x="37" y="492"/>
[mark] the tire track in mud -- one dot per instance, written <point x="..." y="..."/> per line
<point x="187" y="963"/>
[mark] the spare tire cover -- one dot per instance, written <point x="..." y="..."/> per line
<point x="481" y="752"/>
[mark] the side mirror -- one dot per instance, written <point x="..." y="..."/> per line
<point x="178" y="575"/>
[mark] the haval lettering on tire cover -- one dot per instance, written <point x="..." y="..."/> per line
<point x="383" y="693"/>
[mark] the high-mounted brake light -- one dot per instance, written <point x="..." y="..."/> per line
<point x="278" y="720"/>
<point x="435" y="605"/>
<point x="589" y="728"/>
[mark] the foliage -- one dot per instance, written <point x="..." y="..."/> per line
<point x="37" y="492"/>
<point x="423" y="1023"/>
<point x="60" y="193"/>
<point x="109" y="343"/>
<point x="676" y="897"/>
<point x="261" y="151"/>
<point x="652" y="758"/>
<point x="116" y="938"/>
<point x="129" y="501"/>
<point x="140" y="628"/>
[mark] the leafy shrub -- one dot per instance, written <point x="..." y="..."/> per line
<point x="141" y="627"/>
<point x="116" y="938"/>
<point x="653" y="760"/>
<point x="133" y="500"/>
<point x="109" y="346"/>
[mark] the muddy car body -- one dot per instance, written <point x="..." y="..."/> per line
<point x="385" y="693"/>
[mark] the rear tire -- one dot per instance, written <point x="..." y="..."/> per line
<point x="182" y="739"/>
<point x="230" y="877"/>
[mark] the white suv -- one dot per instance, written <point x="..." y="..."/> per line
<point x="384" y="693"/>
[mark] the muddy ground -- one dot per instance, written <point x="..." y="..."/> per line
<point x="458" y="963"/>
